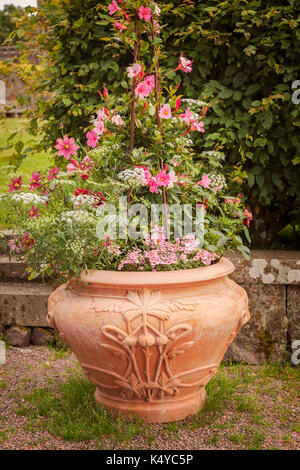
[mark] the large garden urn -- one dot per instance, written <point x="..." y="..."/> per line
<point x="150" y="341"/>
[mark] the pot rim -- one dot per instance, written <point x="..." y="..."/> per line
<point x="158" y="278"/>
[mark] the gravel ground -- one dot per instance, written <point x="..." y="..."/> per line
<point x="269" y="424"/>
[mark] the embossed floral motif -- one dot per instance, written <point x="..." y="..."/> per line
<point x="145" y="316"/>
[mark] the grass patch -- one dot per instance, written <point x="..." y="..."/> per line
<point x="70" y="412"/>
<point x="32" y="162"/>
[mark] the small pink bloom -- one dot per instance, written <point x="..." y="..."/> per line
<point x="156" y="26"/>
<point x="33" y="212"/>
<point x="113" y="7"/>
<point x="153" y="186"/>
<point x="150" y="82"/>
<point x="145" y="13"/>
<point x="177" y="104"/>
<point x="185" y="64"/>
<point x="165" y="112"/>
<point x="142" y="90"/>
<point x="102" y="114"/>
<point x="92" y="139"/>
<point x="163" y="179"/>
<point x="134" y="70"/>
<point x="35" y="180"/>
<point x="174" y="163"/>
<point x="105" y="92"/>
<point x="16" y="184"/>
<point x="53" y="173"/>
<point x="187" y="116"/>
<point x="73" y="166"/>
<point x="61" y="125"/>
<point x="117" y="120"/>
<point x="87" y="164"/>
<point x="99" y="127"/>
<point x="66" y="147"/>
<point x="119" y="26"/>
<point x="205" y="181"/>
<point x="173" y="178"/>
<point x="157" y="9"/>
<point x="198" y="126"/>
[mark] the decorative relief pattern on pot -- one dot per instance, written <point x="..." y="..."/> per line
<point x="145" y="317"/>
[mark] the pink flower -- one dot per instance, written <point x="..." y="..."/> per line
<point x="134" y="70"/>
<point x="205" y="181"/>
<point x="35" y="181"/>
<point x="33" y="212"/>
<point x="117" y="120"/>
<point x="163" y="179"/>
<point x="99" y="127"/>
<point x="113" y="7"/>
<point x="16" y="184"/>
<point x="142" y="90"/>
<point x="66" y="147"/>
<point x="157" y="9"/>
<point x="165" y="112"/>
<point x="73" y="166"/>
<point x="61" y="125"/>
<point x="150" y="82"/>
<point x="153" y="186"/>
<point x="102" y="114"/>
<point x="156" y="26"/>
<point x="13" y="247"/>
<point x="249" y="217"/>
<point x="92" y="139"/>
<point x="177" y="104"/>
<point x="145" y="13"/>
<point x="187" y="116"/>
<point x="174" y="163"/>
<point x="198" y="126"/>
<point x="53" y="173"/>
<point x="119" y="26"/>
<point x="87" y="164"/>
<point x="185" y="64"/>
<point x="173" y="178"/>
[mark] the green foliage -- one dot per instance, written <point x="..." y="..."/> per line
<point x="7" y="24"/>
<point x="246" y="58"/>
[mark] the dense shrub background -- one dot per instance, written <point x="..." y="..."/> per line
<point x="247" y="55"/>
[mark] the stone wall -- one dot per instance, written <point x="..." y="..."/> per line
<point x="271" y="279"/>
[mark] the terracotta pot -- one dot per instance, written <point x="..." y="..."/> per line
<point x="151" y="341"/>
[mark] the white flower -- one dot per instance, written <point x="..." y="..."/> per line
<point x="26" y="198"/>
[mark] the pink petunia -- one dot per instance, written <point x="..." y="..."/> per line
<point x="185" y="64"/>
<point x="163" y="179"/>
<point x="198" y="126"/>
<point x="35" y="181"/>
<point x="113" y="7"/>
<point x="187" y="116"/>
<point x="16" y="184"/>
<point x="92" y="139"/>
<point x="150" y="82"/>
<point x="173" y="178"/>
<point x="66" y="147"/>
<point x="205" y="181"/>
<point x="142" y="90"/>
<point x="33" y="212"/>
<point x="165" y="112"/>
<point x="120" y="26"/>
<point x="99" y="127"/>
<point x="145" y="13"/>
<point x="117" y="120"/>
<point x="134" y="70"/>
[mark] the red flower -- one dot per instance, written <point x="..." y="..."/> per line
<point x="33" y="212"/>
<point x="35" y="181"/>
<point x="16" y="184"/>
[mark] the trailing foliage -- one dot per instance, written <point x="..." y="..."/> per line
<point x="247" y="57"/>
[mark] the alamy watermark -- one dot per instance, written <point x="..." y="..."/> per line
<point x="296" y="94"/>
<point x="296" y="352"/>
<point x="133" y="221"/>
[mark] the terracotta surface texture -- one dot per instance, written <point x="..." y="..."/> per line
<point x="150" y="341"/>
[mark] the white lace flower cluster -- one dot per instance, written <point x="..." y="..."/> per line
<point x="214" y="154"/>
<point x="78" y="216"/>
<point x="83" y="200"/>
<point x="133" y="177"/>
<point x="76" y="247"/>
<point x="26" y="198"/>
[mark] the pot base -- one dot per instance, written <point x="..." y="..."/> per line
<point x="162" y="411"/>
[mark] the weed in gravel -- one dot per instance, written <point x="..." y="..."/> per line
<point x="247" y="403"/>
<point x="237" y="438"/>
<point x="258" y="438"/>
<point x="3" y="384"/>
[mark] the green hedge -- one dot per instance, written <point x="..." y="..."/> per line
<point x="246" y="54"/>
